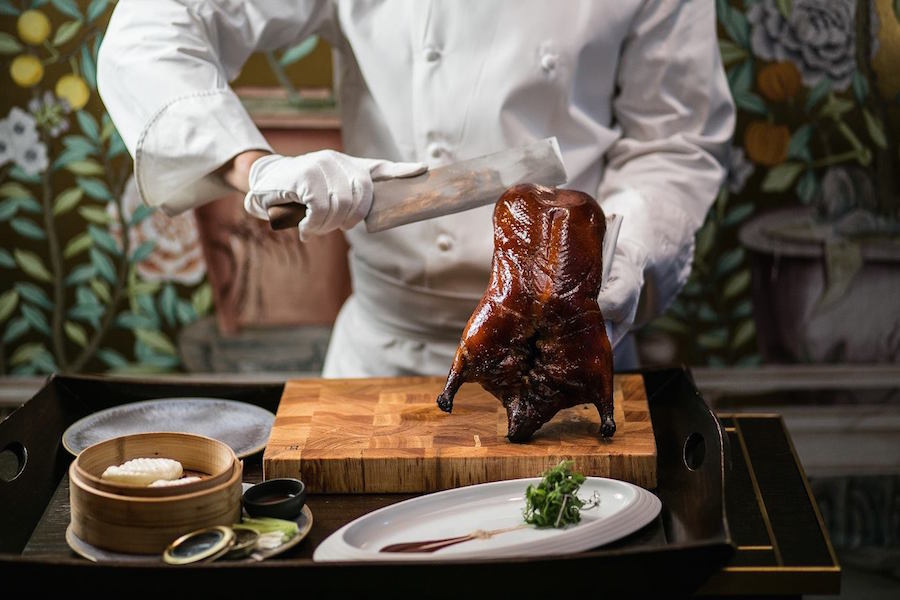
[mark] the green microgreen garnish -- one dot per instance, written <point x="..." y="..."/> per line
<point x="554" y="501"/>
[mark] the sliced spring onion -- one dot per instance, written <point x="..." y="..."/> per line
<point x="264" y="525"/>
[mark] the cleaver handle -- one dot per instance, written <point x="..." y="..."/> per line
<point x="285" y="216"/>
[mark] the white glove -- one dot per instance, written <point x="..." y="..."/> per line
<point x="336" y="188"/>
<point x="620" y="293"/>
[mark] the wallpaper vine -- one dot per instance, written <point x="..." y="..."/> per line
<point x="93" y="279"/>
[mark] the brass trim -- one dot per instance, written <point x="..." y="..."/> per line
<point x="833" y="569"/>
<point x="759" y="499"/>
<point x="754" y="548"/>
<point x="729" y="429"/>
<point x="812" y="499"/>
<point x="751" y="415"/>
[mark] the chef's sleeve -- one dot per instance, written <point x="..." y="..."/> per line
<point x="163" y="72"/>
<point x="676" y="117"/>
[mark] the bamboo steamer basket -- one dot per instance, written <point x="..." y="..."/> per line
<point x="148" y="524"/>
<point x="211" y="460"/>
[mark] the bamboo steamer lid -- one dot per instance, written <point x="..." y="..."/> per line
<point x="211" y="460"/>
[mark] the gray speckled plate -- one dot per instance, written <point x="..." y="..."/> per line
<point x="242" y="426"/>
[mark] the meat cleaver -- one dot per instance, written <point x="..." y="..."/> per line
<point x="449" y="189"/>
<point x="458" y="187"/>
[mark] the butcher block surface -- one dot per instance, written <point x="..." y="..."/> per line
<point x="388" y="435"/>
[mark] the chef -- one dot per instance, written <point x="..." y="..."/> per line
<point x="634" y="91"/>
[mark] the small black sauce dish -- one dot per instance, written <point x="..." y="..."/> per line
<point x="277" y="498"/>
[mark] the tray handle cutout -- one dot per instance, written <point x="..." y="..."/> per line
<point x="694" y="451"/>
<point x="12" y="461"/>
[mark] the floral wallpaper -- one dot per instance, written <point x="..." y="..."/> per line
<point x="91" y="280"/>
<point x="817" y="87"/>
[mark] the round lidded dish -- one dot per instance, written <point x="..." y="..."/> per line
<point x="211" y="460"/>
<point x="278" y="498"/>
<point x="205" y="545"/>
<point x="139" y="524"/>
<point x="244" y="543"/>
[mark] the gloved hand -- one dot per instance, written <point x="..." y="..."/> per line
<point x="336" y="188"/>
<point x="620" y="293"/>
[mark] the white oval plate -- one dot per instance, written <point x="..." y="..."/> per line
<point x="624" y="508"/>
<point x="245" y="427"/>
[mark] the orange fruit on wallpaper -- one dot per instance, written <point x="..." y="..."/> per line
<point x="26" y="70"/>
<point x="779" y="81"/>
<point x="766" y="143"/>
<point x="33" y="27"/>
<point x="74" y="90"/>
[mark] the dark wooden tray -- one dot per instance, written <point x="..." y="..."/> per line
<point x="674" y="555"/>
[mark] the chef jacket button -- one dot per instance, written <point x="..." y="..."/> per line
<point x="432" y="54"/>
<point x="436" y="152"/>
<point x="444" y="242"/>
<point x="548" y="62"/>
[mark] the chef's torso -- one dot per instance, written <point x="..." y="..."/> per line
<point x="439" y="81"/>
<point x="443" y="81"/>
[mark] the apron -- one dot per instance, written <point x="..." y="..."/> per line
<point x="389" y="328"/>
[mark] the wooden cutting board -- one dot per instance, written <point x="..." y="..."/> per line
<point x="388" y="435"/>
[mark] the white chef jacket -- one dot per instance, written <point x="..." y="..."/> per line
<point x="634" y="91"/>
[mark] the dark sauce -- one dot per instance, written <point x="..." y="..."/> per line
<point x="273" y="498"/>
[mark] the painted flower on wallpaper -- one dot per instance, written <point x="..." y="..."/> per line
<point x="19" y="142"/>
<point x="739" y="170"/>
<point x="22" y="126"/>
<point x="818" y="37"/>
<point x="177" y="255"/>
<point x="50" y="113"/>
<point x="33" y="158"/>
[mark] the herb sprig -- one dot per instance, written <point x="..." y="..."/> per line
<point x="554" y="501"/>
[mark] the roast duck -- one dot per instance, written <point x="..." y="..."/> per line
<point x="537" y="340"/>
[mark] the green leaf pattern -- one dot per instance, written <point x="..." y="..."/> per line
<point x="81" y="261"/>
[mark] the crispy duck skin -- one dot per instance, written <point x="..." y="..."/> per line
<point x="537" y="340"/>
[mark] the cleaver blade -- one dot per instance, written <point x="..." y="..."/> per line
<point x="451" y="188"/>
